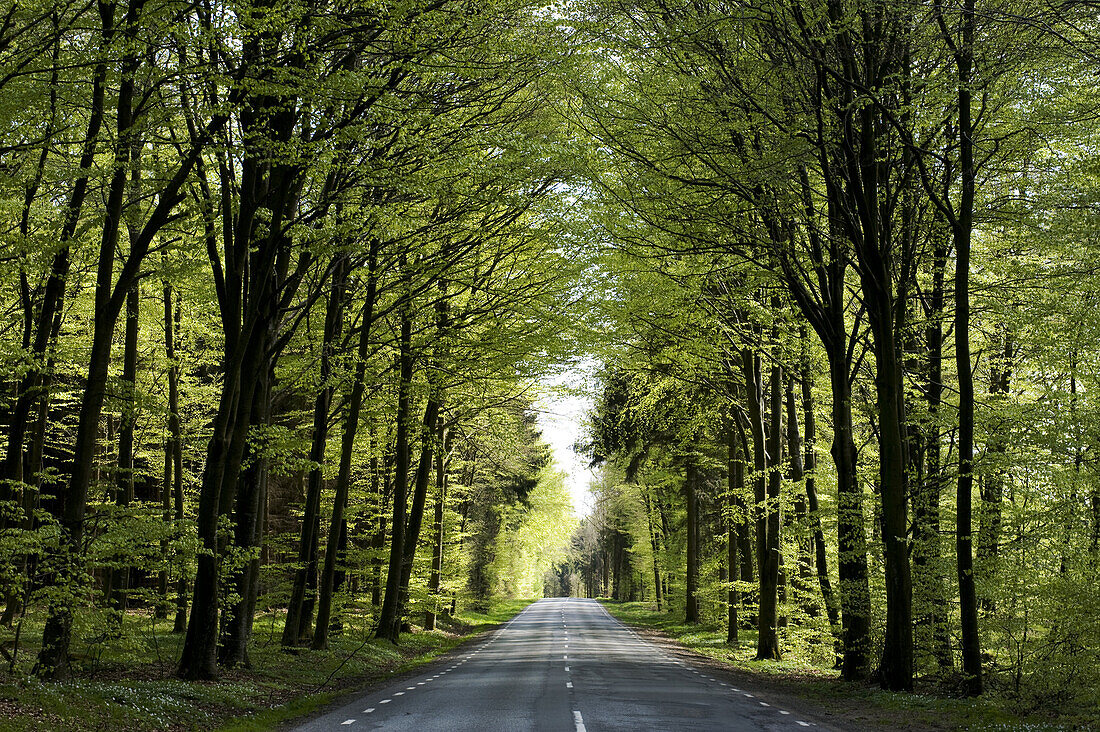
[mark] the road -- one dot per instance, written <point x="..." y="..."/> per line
<point x="561" y="665"/>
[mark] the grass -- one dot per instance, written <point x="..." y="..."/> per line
<point x="128" y="683"/>
<point x="846" y="705"/>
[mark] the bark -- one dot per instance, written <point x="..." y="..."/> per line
<point x="654" y="545"/>
<point x="991" y="489"/>
<point x="930" y="597"/>
<point x="821" y="561"/>
<point x="767" y="646"/>
<point x="248" y="537"/>
<point x="52" y="660"/>
<point x="691" y="605"/>
<point x="796" y="471"/>
<point x="416" y="509"/>
<point x="962" y="231"/>
<point x="735" y="471"/>
<point x="173" y="448"/>
<point x="435" y="578"/>
<point x="347" y="450"/>
<point x="388" y="621"/>
<point x="299" y="614"/>
<point x="124" y="478"/>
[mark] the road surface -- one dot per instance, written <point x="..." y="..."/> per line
<point x="561" y="665"/>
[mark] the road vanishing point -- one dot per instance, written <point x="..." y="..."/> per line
<point x="561" y="665"/>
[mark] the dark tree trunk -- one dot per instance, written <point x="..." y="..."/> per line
<point x="654" y="545"/>
<point x="691" y="605"/>
<point x="124" y="478"/>
<point x="962" y="229"/>
<point x="388" y="619"/>
<point x="173" y="449"/>
<point x="347" y="451"/>
<point x="821" y="562"/>
<point x="299" y="616"/>
<point x="53" y="658"/>
<point x="248" y="537"/>
<point x="435" y="579"/>
<point x="767" y="646"/>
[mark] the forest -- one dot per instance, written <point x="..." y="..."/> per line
<point x="283" y="283"/>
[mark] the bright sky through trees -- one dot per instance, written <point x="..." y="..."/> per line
<point x="562" y="409"/>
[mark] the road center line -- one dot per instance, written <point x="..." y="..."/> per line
<point x="578" y="721"/>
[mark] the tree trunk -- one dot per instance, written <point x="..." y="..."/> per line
<point x="347" y="450"/>
<point x="435" y="579"/>
<point x="691" y="605"/>
<point x="52" y="660"/>
<point x="124" y="479"/>
<point x="767" y="646"/>
<point x="963" y="227"/>
<point x="299" y="615"/>
<point x="388" y="621"/>
<point x="248" y="536"/>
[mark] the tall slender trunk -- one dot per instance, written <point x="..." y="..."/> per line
<point x="299" y="614"/>
<point x="436" y="576"/>
<point x="963" y="228"/>
<point x="691" y="605"/>
<point x="416" y="509"/>
<point x="347" y="450"/>
<point x="248" y="535"/>
<point x="124" y="478"/>
<point x="52" y="660"/>
<point x="821" y="561"/>
<point x="767" y="646"/>
<point x="735" y="507"/>
<point x="796" y="471"/>
<point x="388" y="621"/>
<point x="654" y="545"/>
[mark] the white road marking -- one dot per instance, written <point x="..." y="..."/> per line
<point x="368" y="710"/>
<point x="385" y="701"/>
<point x="783" y="711"/>
<point x="399" y="693"/>
<point x="568" y="684"/>
<point x="578" y="721"/>
<point x="348" y="721"/>
<point x="566" y="669"/>
<point x="804" y="724"/>
<point x="750" y="696"/>
<point x="410" y="688"/>
<point x="765" y="704"/>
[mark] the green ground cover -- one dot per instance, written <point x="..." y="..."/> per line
<point x="116" y="687"/>
<point x="854" y="706"/>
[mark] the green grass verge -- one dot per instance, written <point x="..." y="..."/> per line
<point x="128" y="684"/>
<point x="849" y="705"/>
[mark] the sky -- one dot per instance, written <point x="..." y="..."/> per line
<point x="562" y="409"/>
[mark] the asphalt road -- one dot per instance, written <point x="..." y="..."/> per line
<point x="561" y="665"/>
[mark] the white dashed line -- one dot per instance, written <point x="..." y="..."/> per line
<point x="568" y="684"/>
<point x="578" y="721"/>
<point x="783" y="711"/>
<point x="804" y="724"/>
<point x="348" y="721"/>
<point x="385" y="701"/>
<point x="566" y="669"/>
<point x="765" y="704"/>
<point x="399" y="693"/>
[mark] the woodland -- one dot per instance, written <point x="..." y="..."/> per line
<point x="282" y="283"/>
